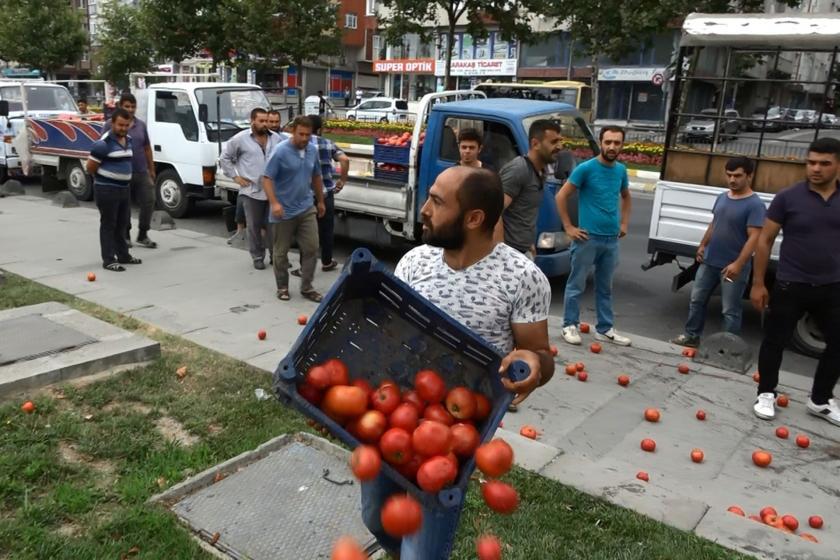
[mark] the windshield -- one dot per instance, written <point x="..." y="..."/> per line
<point x="564" y="95"/>
<point x="235" y="105"/>
<point x="574" y="130"/>
<point x="39" y="98"/>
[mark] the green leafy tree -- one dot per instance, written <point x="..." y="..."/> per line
<point x="43" y="34"/>
<point x="401" y="17"/>
<point x="176" y="30"/>
<point x="118" y="57"/>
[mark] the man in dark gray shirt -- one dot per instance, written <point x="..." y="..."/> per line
<point x="523" y="179"/>
<point x="807" y="278"/>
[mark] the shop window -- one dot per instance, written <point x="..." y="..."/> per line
<point x="543" y="54"/>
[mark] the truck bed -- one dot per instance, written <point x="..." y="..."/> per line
<point x="374" y="197"/>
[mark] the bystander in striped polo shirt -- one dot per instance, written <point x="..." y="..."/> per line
<point x="114" y="161"/>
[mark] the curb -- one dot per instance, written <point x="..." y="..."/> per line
<point x="642" y="174"/>
<point x="642" y="187"/>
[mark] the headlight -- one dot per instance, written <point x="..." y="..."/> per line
<point x="553" y="240"/>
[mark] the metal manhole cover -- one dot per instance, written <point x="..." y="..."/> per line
<point x="33" y="336"/>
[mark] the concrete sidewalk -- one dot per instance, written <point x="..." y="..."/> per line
<point x="199" y="288"/>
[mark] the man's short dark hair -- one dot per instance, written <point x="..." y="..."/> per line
<point x="305" y="122"/>
<point x="469" y="135"/>
<point x="317" y="123"/>
<point x="741" y="162"/>
<point x="481" y="189"/>
<point x="320" y="92"/>
<point x="610" y="128"/>
<point x="274" y="112"/>
<point x="826" y="145"/>
<point x="120" y="113"/>
<point x="539" y="128"/>
<point x="256" y="111"/>
<point x="82" y="100"/>
<point x="127" y="97"/>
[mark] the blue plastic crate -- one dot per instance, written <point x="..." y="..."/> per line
<point x="396" y="176"/>
<point x="391" y="154"/>
<point x="381" y="328"/>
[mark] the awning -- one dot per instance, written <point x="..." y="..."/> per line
<point x="792" y="31"/>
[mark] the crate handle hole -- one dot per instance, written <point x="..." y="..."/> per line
<point x="518" y="371"/>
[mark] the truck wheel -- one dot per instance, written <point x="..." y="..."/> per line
<point x="807" y="337"/>
<point x="78" y="181"/>
<point x="171" y="194"/>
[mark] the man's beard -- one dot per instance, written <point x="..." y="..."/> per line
<point x="609" y="157"/>
<point x="450" y="236"/>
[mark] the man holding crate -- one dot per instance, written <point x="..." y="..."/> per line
<point x="490" y="288"/>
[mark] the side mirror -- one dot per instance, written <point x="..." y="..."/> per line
<point x="203" y="112"/>
<point x="564" y="164"/>
<point x="4" y="108"/>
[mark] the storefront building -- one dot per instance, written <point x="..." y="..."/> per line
<point x="476" y="60"/>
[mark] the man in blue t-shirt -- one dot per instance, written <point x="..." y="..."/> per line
<point x="601" y="183"/>
<point x="292" y="175"/>
<point x="725" y="253"/>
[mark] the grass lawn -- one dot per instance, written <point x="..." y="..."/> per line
<point x="75" y="475"/>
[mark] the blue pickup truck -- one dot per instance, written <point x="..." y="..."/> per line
<point x="386" y="206"/>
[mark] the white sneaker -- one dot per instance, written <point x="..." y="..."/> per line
<point x="830" y="411"/>
<point x="571" y="334"/>
<point x="614" y="337"/>
<point x="765" y="406"/>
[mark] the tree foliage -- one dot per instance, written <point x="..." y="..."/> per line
<point x="118" y="56"/>
<point x="43" y="34"/>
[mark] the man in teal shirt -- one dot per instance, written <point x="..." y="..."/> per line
<point x="601" y="183"/>
<point x="291" y="177"/>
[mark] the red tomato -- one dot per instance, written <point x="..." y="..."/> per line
<point x="790" y="522"/>
<point x="435" y="473"/>
<point x="371" y="426"/>
<point x="697" y="455"/>
<point x="529" y="432"/>
<point x="584" y="328"/>
<point x="318" y="377"/>
<point x="344" y="401"/>
<point x="404" y="416"/>
<point x="28" y="407"/>
<point x="762" y="459"/>
<point x="339" y="374"/>
<point x="431" y="438"/>
<point x="460" y="402"/>
<point x="312" y="395"/>
<point x="455" y="465"/>
<point x="701" y="415"/>
<point x="395" y="445"/>
<point x="488" y="547"/>
<point x="651" y="415"/>
<point x="579" y="366"/>
<point x="401" y="515"/>
<point x="429" y="386"/>
<point x="643" y="476"/>
<point x="582" y="376"/>
<point x="648" y="445"/>
<point x="782" y="401"/>
<point x="571" y="369"/>
<point x="815" y="521"/>
<point x="365" y="462"/>
<point x="494" y="458"/>
<point x="809" y="537"/>
<point x="500" y="497"/>
<point x="465" y="440"/>
<point x="767" y="511"/>
<point x="413" y="398"/>
<point x="595" y="348"/>
<point x="482" y="407"/>
<point x="386" y="399"/>
<point x="803" y="441"/>
<point x="736" y="510"/>
<point x="437" y="413"/>
<point x="346" y="548"/>
<point x="782" y="432"/>
<point x="363" y="385"/>
<point x="683" y="368"/>
<point x="409" y="469"/>
<point x="624" y="380"/>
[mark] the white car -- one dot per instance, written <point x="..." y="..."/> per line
<point x="380" y="109"/>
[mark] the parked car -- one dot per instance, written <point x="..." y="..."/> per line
<point x="702" y="128"/>
<point x="803" y="118"/>
<point x="380" y="109"/>
<point x="770" y="119"/>
<point x="829" y="121"/>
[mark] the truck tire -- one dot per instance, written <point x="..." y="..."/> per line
<point x="78" y="181"/>
<point x="172" y="195"/>
<point x="807" y="338"/>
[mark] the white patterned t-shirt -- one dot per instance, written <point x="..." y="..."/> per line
<point x="503" y="288"/>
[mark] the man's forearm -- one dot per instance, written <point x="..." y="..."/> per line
<point x="762" y="257"/>
<point x="747" y="250"/>
<point x="546" y="366"/>
<point x="318" y="190"/>
<point x="268" y="187"/>
<point x="150" y="159"/>
<point x="563" y="210"/>
<point x="707" y="236"/>
<point x="626" y="207"/>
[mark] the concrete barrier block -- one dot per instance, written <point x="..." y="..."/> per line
<point x="162" y="221"/>
<point x="725" y="351"/>
<point x="65" y="199"/>
<point x="12" y="187"/>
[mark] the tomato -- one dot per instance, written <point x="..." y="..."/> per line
<point x="815" y="521"/>
<point x="401" y="515"/>
<point x="363" y="385"/>
<point x="302" y="319"/>
<point x="346" y="548"/>
<point x="412" y="397"/>
<point x="623" y="380"/>
<point x="701" y="415"/>
<point x="409" y="469"/>
<point x="648" y="445"/>
<point x="371" y="426"/>
<point x="460" y="402"/>
<point x="343" y="401"/>
<point x="651" y="415"/>
<point x="803" y="441"/>
<point x="809" y="537"/>
<point x="437" y="413"/>
<point x="429" y="386"/>
<point x="683" y="368"/>
<point x="482" y="407"/>
<point x="554" y="350"/>
<point x="756" y="377"/>
<point x="318" y="377"/>
<point x="500" y="497"/>
<point x="582" y="376"/>
<point x="339" y="374"/>
<point x="736" y="510"/>
<point x="261" y="334"/>
<point x="310" y="394"/>
<point x="579" y="366"/>
<point x="395" y="445"/>
<point x="488" y="547"/>
<point x="595" y="348"/>
<point x="790" y="522"/>
<point x="465" y="439"/>
<point x="431" y="438"/>
<point x="365" y="462"/>
<point x="642" y="475"/>
<point x="697" y="455"/>
<point x="769" y="510"/>
<point x="584" y="328"/>
<point x="494" y="458"/>
<point x="762" y="459"/>
<point x="455" y="465"/>
<point x="782" y="401"/>
<point x="435" y="473"/>
<point x="405" y="416"/>
<point x="28" y="407"/>
<point x="386" y="399"/>
<point x="782" y="432"/>
<point x="529" y="432"/>
<point x="571" y="369"/>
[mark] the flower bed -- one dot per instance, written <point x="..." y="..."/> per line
<point x="636" y="152"/>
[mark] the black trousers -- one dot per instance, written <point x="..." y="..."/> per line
<point x="326" y="229"/>
<point x="789" y="301"/>
<point x="114" y="211"/>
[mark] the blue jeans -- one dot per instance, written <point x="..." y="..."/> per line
<point x="602" y="252"/>
<point x="707" y="279"/>
<point x="433" y="541"/>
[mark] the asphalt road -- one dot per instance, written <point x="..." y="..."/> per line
<point x="643" y="301"/>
